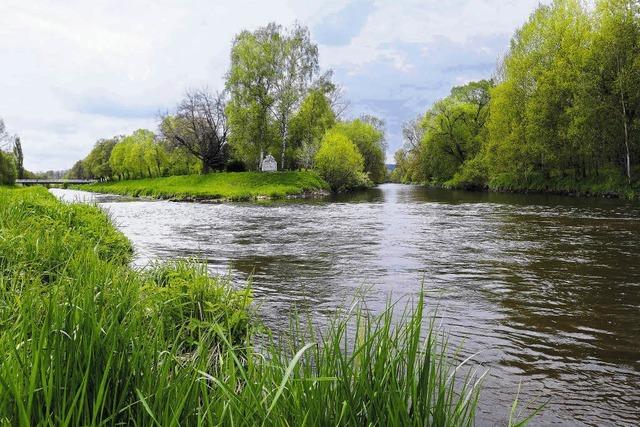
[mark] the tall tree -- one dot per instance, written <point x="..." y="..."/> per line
<point x="19" y="156"/>
<point x="252" y="83"/>
<point x="297" y="64"/>
<point x="200" y="126"/>
<point x="272" y="70"/>
<point x="617" y="53"/>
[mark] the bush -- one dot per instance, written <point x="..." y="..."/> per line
<point x="473" y="175"/>
<point x="8" y="169"/>
<point x="339" y="162"/>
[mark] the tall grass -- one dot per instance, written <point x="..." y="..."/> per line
<point x="88" y="341"/>
<point x="226" y="185"/>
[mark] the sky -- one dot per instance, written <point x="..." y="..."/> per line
<point x="72" y="72"/>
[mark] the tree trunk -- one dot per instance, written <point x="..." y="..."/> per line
<point x="206" y="167"/>
<point x="626" y="136"/>
<point x="285" y="132"/>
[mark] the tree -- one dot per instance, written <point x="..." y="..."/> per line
<point x="77" y="171"/>
<point x="8" y="170"/>
<point x="252" y="83"/>
<point x="412" y="133"/>
<point x="369" y="140"/>
<point x="339" y="162"/>
<point x="200" y="126"/>
<point x="19" y="157"/>
<point x="309" y="125"/>
<point x="4" y="136"/>
<point x="96" y="164"/>
<point x="297" y="64"/>
<point x="531" y="139"/>
<point x="617" y="54"/>
<point x="271" y="72"/>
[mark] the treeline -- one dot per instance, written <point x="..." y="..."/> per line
<point x="561" y="114"/>
<point x="11" y="157"/>
<point x="275" y="101"/>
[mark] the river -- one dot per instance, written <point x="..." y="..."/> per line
<point x="545" y="288"/>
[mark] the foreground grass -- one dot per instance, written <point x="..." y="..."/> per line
<point x="88" y="341"/>
<point x="226" y="186"/>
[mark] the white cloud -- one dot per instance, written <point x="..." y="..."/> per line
<point x="75" y="71"/>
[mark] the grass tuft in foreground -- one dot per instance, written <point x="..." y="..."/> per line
<point x="88" y="341"/>
<point x="218" y="186"/>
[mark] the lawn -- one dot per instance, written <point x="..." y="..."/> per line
<point x="218" y="186"/>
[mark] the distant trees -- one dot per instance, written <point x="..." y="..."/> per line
<point x="139" y="155"/>
<point x="562" y="114"/>
<point x="8" y="163"/>
<point x="275" y="101"/>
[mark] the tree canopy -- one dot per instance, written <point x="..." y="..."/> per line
<point x="561" y="114"/>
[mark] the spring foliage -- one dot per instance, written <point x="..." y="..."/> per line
<point x="561" y="115"/>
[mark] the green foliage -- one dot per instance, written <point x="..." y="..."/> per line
<point x="138" y="156"/>
<point x="96" y="164"/>
<point x="271" y="74"/>
<point x="8" y="169"/>
<point x="225" y="185"/>
<point x="370" y="142"/>
<point x="19" y="156"/>
<point x="84" y="336"/>
<point x="309" y="125"/>
<point x="339" y="162"/>
<point x="563" y="116"/>
<point x="252" y="81"/>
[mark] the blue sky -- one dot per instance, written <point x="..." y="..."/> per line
<point x="75" y="71"/>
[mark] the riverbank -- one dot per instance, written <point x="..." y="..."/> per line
<point x="224" y="186"/>
<point x="597" y="189"/>
<point x="99" y="342"/>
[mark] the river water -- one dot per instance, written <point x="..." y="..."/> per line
<point x="546" y="288"/>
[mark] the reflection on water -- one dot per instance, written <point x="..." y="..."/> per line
<point x="547" y="288"/>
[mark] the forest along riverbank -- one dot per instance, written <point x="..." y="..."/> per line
<point x="88" y="340"/>
<point x="223" y="186"/>
<point x="544" y="287"/>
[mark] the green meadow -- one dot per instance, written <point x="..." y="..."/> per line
<point x="218" y="186"/>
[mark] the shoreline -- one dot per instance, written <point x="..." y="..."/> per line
<point x="585" y="194"/>
<point x="210" y="199"/>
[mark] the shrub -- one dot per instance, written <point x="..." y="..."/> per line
<point x="8" y="169"/>
<point x="339" y="162"/>
<point x="473" y="175"/>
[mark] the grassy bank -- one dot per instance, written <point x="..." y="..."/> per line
<point x="218" y="186"/>
<point x="86" y="340"/>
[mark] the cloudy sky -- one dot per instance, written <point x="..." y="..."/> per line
<point x="72" y="72"/>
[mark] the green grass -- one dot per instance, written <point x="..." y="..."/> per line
<point x="86" y="340"/>
<point x="218" y="186"/>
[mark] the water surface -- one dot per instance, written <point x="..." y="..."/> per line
<point x="546" y="288"/>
